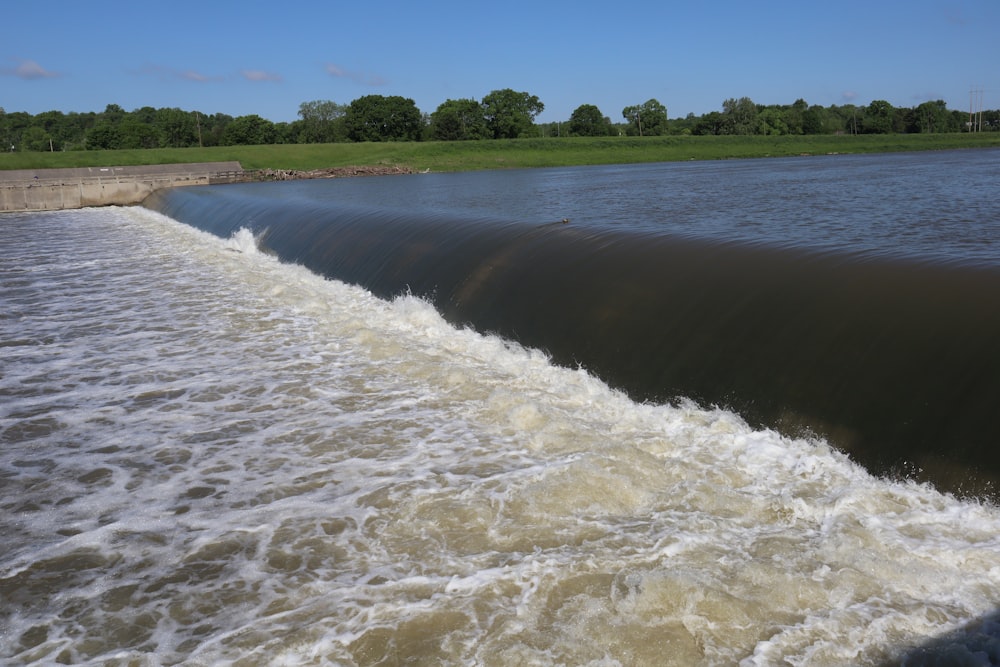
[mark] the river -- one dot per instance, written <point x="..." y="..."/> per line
<point x="215" y="451"/>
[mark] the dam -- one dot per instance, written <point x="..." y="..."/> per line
<point x="58" y="189"/>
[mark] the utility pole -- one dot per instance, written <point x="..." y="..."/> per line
<point x="972" y="106"/>
<point x="975" y="110"/>
<point x="979" y="125"/>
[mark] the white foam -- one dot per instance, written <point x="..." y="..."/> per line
<point x="211" y="455"/>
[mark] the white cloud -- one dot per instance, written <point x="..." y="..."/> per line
<point x="28" y="70"/>
<point x="165" y="73"/>
<point x="364" y="78"/>
<point x="191" y="75"/>
<point x="260" y="75"/>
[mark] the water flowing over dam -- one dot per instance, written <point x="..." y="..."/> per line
<point x="891" y="358"/>
<point x="421" y="420"/>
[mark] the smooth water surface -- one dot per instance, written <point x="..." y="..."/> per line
<point x="934" y="204"/>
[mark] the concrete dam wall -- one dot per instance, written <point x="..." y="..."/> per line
<point x="55" y="189"/>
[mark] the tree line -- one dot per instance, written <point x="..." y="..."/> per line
<point x="502" y="114"/>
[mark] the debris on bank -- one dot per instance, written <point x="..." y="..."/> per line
<point x="330" y="172"/>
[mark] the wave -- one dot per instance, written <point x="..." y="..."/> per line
<point x="892" y="360"/>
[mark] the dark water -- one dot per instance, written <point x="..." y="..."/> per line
<point x="856" y="298"/>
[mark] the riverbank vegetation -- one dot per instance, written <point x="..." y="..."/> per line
<point x="506" y="153"/>
<point x="501" y="115"/>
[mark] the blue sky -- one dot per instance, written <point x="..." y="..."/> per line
<point x="267" y="58"/>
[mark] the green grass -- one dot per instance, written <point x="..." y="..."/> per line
<point x="515" y="153"/>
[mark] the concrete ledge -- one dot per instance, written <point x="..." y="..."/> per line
<point x="57" y="189"/>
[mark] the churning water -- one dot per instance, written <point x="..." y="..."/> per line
<point x="208" y="456"/>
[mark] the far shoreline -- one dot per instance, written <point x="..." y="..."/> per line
<point x="286" y="161"/>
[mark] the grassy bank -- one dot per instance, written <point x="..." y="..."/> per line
<point x="517" y="153"/>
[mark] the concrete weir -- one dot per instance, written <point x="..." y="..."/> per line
<point x="56" y="189"/>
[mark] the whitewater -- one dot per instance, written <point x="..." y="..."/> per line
<point x="208" y="456"/>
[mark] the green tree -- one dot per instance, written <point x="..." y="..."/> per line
<point x="772" y="121"/>
<point x="288" y="133"/>
<point x="709" y="124"/>
<point x="846" y="118"/>
<point x="794" y="116"/>
<point x="322" y="122"/>
<point x="588" y="121"/>
<point x="176" y="128"/>
<point x="5" y="135"/>
<point x="683" y="126"/>
<point x="75" y="129"/>
<point x="49" y="130"/>
<point x="813" y="120"/>
<point x="46" y="131"/>
<point x="879" y="118"/>
<point x="510" y="114"/>
<point x="35" y="138"/>
<point x="655" y="117"/>
<point x="646" y="119"/>
<point x="212" y="128"/>
<point x="103" y="136"/>
<point x="932" y="117"/>
<point x="740" y="117"/>
<point x="113" y="113"/>
<point x="142" y="115"/>
<point x="53" y="123"/>
<point x="249" y="130"/>
<point x="133" y="132"/>
<point x="456" y="120"/>
<point x="17" y="123"/>
<point x="381" y="118"/>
